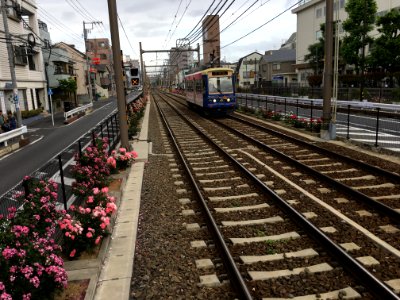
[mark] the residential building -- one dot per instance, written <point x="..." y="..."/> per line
<point x="310" y="15"/>
<point x="77" y="69"/>
<point x="101" y="61"/>
<point x="277" y="67"/>
<point x="29" y="69"/>
<point x="248" y="70"/>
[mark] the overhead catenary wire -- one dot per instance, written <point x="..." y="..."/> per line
<point x="172" y="23"/>
<point x="236" y="19"/>
<point x="212" y="21"/>
<point x="215" y="11"/>
<point x="209" y="7"/>
<point x="181" y="17"/>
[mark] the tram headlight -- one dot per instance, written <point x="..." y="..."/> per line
<point x="228" y="100"/>
<point x="214" y="100"/>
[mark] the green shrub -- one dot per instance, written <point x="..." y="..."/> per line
<point x="30" y="113"/>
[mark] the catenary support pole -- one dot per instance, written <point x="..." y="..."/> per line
<point x="327" y="89"/>
<point x="121" y="101"/>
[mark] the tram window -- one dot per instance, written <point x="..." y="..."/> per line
<point x="198" y="86"/>
<point x="220" y="85"/>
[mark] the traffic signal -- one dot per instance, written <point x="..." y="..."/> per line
<point x="135" y="81"/>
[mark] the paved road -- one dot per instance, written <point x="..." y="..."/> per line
<point x="47" y="141"/>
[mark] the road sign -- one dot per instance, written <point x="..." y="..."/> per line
<point x="50" y="92"/>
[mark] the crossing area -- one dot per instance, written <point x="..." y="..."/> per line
<point x="387" y="141"/>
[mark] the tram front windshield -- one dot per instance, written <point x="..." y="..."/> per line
<point x="221" y="85"/>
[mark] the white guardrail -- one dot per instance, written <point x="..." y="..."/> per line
<point x="318" y="102"/>
<point x="76" y="110"/>
<point x="6" y="136"/>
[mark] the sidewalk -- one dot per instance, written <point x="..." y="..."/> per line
<point x="115" y="277"/>
<point x="113" y="280"/>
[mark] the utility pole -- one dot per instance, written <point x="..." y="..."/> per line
<point x="116" y="49"/>
<point x="327" y="89"/>
<point x="92" y="89"/>
<point x="11" y="62"/>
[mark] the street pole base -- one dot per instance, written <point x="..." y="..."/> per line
<point x="330" y="133"/>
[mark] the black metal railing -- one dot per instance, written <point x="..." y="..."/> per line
<point x="368" y="124"/>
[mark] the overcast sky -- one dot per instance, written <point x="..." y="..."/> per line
<point x="158" y="24"/>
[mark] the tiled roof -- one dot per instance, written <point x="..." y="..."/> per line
<point x="280" y="55"/>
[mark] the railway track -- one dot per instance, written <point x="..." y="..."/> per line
<point x="278" y="239"/>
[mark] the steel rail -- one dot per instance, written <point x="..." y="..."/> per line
<point x="376" y="287"/>
<point x="388" y="211"/>
<point x="383" y="172"/>
<point x="229" y="263"/>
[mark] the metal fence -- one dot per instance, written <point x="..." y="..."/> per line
<point x="59" y="167"/>
<point x="375" y="125"/>
<point x="381" y="95"/>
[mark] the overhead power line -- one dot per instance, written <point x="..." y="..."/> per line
<point x="242" y="37"/>
<point x="46" y="16"/>
<point x="122" y="25"/>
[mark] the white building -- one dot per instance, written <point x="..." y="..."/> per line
<point x="310" y="15"/>
<point x="29" y="67"/>
<point x="248" y="69"/>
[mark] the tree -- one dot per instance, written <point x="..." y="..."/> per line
<point x="386" y="51"/>
<point x="68" y="86"/>
<point x="360" y="21"/>
<point x="315" y="57"/>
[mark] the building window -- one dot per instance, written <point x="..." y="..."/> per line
<point x="319" y="13"/>
<point x="31" y="54"/>
<point x="102" y="44"/>
<point x="12" y="10"/>
<point x="276" y="67"/>
<point x="264" y="68"/>
<point x="20" y="55"/>
<point x="103" y="56"/>
<point x="318" y="34"/>
<point x="342" y="3"/>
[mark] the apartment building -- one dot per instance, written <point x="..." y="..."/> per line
<point x="29" y="68"/>
<point x="310" y="15"/>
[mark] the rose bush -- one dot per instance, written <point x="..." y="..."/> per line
<point x="121" y="159"/>
<point x="85" y="226"/>
<point x="30" y="265"/>
<point x="91" y="168"/>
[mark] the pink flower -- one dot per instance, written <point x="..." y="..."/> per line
<point x="26" y="296"/>
<point x="72" y="254"/>
<point x="98" y="239"/>
<point x="89" y="235"/>
<point x="122" y="150"/>
<point x="90" y="199"/>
